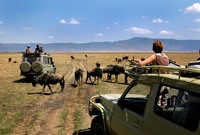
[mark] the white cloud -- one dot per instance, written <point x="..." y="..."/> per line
<point x="106" y="28"/>
<point x="27" y="28"/>
<point x="195" y="8"/>
<point x="195" y="29"/>
<point x="197" y="20"/>
<point x="74" y="21"/>
<point x="139" y="30"/>
<point x="116" y="23"/>
<point x="166" y="33"/>
<point x="143" y="16"/>
<point x="98" y="35"/>
<point x="71" y="21"/>
<point x="62" y="21"/>
<point x="158" y="20"/>
<point x="1" y="22"/>
<point x="50" y="37"/>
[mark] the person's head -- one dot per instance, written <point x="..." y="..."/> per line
<point x="157" y="46"/>
<point x="28" y="46"/>
<point x="37" y="46"/>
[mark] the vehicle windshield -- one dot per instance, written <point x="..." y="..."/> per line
<point x="30" y="59"/>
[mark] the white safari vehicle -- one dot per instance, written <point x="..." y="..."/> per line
<point x="153" y="104"/>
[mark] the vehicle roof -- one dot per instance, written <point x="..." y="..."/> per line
<point x="36" y="54"/>
<point x="176" y="80"/>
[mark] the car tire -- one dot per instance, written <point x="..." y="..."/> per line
<point x="37" y="67"/>
<point x="25" y="67"/>
<point x="97" y="127"/>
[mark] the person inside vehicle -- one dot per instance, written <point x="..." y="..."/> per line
<point x="37" y="49"/>
<point x="158" y="58"/>
<point x="163" y="96"/>
<point x="41" y="50"/>
<point x="28" y="49"/>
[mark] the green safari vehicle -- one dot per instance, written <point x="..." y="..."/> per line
<point x="152" y="104"/>
<point x="36" y="64"/>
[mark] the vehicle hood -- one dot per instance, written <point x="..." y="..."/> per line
<point x="109" y="100"/>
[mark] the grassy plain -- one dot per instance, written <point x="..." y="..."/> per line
<point x="24" y="111"/>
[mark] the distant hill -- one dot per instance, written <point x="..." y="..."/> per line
<point x="133" y="44"/>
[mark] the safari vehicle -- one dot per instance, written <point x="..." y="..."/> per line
<point x="192" y="64"/>
<point x="152" y="104"/>
<point x="36" y="64"/>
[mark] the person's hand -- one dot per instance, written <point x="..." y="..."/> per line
<point x="137" y="61"/>
<point x="134" y="62"/>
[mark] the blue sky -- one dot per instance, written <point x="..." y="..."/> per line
<point x="82" y="21"/>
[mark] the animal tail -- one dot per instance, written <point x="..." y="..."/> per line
<point x="63" y="83"/>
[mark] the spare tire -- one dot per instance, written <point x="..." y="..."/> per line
<point x="25" y="67"/>
<point x="36" y="67"/>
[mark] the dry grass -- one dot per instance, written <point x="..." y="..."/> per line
<point x="23" y="111"/>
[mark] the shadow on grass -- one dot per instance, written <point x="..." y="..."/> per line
<point x="82" y="132"/>
<point x="91" y="83"/>
<point x="116" y="82"/>
<point x="108" y="81"/>
<point x="73" y="85"/>
<point x="23" y="80"/>
<point x="40" y="93"/>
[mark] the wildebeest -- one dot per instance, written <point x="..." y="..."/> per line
<point x="9" y="59"/>
<point x="98" y="64"/>
<point x="72" y="57"/>
<point x="125" y="58"/>
<point x="96" y="73"/>
<point x="113" y="70"/>
<point x="78" y="76"/>
<point x="47" y="79"/>
<point x="119" y="60"/>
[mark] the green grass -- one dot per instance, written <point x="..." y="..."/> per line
<point x="9" y="121"/>
<point x="79" y="118"/>
<point x="62" y="119"/>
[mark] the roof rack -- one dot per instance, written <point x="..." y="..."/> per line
<point x="134" y="70"/>
<point x="33" y="53"/>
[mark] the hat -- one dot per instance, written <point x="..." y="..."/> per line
<point x="28" y="46"/>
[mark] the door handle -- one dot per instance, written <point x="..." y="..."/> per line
<point x="136" y="124"/>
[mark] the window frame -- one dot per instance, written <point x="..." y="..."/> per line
<point x="179" y="111"/>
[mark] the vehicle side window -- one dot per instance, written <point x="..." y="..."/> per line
<point x="136" y="98"/>
<point x="179" y="106"/>
<point x="45" y="60"/>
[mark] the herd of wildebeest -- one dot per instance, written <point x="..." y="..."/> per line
<point x="48" y="79"/>
<point x="93" y="76"/>
<point x="96" y="73"/>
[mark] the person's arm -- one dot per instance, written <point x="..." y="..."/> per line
<point x="147" y="61"/>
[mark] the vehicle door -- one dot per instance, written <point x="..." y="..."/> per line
<point x="128" y="113"/>
<point x="175" y="111"/>
<point x="47" y="67"/>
